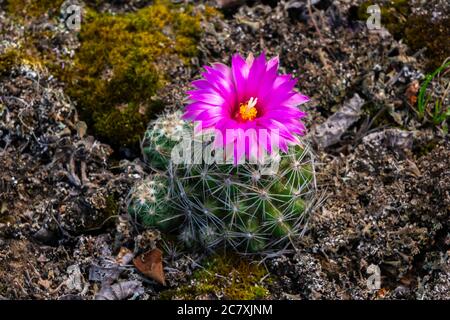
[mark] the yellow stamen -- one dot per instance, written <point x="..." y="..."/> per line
<point x="247" y="110"/>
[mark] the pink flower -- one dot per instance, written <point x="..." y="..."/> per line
<point x="251" y="96"/>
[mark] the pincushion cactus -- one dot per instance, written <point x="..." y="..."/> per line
<point x="240" y="204"/>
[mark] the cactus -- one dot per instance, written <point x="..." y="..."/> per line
<point x="223" y="204"/>
<point x="164" y="133"/>
<point x="150" y="203"/>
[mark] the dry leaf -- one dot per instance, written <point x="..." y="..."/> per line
<point x="150" y="264"/>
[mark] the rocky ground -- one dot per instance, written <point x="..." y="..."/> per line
<point x="383" y="172"/>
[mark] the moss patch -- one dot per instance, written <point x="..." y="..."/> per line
<point x="227" y="277"/>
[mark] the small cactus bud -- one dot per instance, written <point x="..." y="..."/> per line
<point x="210" y="204"/>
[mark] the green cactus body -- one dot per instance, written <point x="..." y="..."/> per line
<point x="150" y="203"/>
<point x="224" y="204"/>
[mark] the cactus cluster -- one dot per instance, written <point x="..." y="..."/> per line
<point x="208" y="205"/>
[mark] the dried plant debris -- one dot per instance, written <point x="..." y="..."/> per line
<point x="330" y="132"/>
<point x="120" y="291"/>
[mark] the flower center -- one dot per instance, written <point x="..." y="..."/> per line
<point x="247" y="111"/>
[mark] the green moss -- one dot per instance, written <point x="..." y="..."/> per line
<point x="6" y="215"/>
<point x="117" y="68"/>
<point x="229" y="277"/>
<point x="105" y="218"/>
<point x="7" y="219"/>
<point x="125" y="126"/>
<point x="35" y="43"/>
